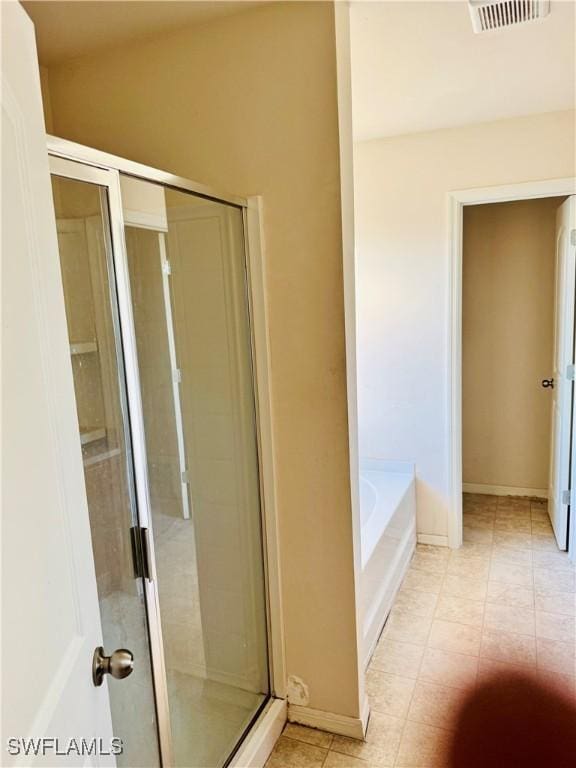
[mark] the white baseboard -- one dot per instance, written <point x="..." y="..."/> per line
<point x="365" y="714"/>
<point x="432" y="538"/>
<point x="504" y="490"/>
<point x="257" y="746"/>
<point x="354" y="727"/>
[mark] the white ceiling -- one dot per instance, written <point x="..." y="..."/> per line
<point x="417" y="66"/>
<point x="69" y="28"/>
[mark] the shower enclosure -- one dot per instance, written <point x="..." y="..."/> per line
<point x="158" y="314"/>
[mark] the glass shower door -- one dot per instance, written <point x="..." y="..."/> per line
<point x="82" y="218"/>
<point x="189" y="293"/>
<point x="160" y="346"/>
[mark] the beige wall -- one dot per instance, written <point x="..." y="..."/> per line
<point x="248" y="105"/>
<point x="46" y="101"/>
<point x="401" y="201"/>
<point x="507" y="342"/>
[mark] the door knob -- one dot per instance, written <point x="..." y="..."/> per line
<point x="119" y="664"/>
<point x="548" y="383"/>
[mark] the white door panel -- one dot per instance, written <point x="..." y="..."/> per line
<point x="563" y="357"/>
<point x="51" y="620"/>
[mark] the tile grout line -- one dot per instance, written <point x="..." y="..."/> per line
<point x="476" y="682"/>
<point x="425" y="646"/>
<point x="485" y="602"/>
<point x="537" y="661"/>
<point x="483" y="628"/>
<point x="326" y="756"/>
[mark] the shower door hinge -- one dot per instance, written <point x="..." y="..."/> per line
<point x="566" y="497"/>
<point x="166" y="267"/>
<point x="140" y="552"/>
<point x="570" y="372"/>
<point x="573" y="237"/>
<point x="177" y="375"/>
<point x="185" y="476"/>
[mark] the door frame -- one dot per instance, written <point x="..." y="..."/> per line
<point x="132" y="417"/>
<point x="259" y="741"/>
<point x="457" y="200"/>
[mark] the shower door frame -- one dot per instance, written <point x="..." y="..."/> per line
<point x="125" y="343"/>
<point x="92" y="164"/>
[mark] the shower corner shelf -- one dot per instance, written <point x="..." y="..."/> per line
<point x="98" y="458"/>
<point x="91" y="434"/>
<point x="83" y="347"/>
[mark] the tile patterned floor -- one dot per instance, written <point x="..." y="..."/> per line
<point x="505" y="600"/>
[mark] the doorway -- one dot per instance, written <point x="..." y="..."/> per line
<point x="543" y="448"/>
<point x="157" y="308"/>
<point x="517" y="358"/>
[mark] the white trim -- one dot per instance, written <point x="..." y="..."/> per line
<point x="144" y="220"/>
<point x="528" y="190"/>
<point x="353" y="727"/>
<point x="572" y="519"/>
<point x="346" y="154"/>
<point x="457" y="199"/>
<point x="454" y="388"/>
<point x="257" y="746"/>
<point x="572" y="529"/>
<point x="365" y="714"/>
<point x="94" y="157"/>
<point x="504" y="490"/>
<point x="129" y="354"/>
<point x="256" y="267"/>
<point x="432" y="538"/>
<point x="164" y="271"/>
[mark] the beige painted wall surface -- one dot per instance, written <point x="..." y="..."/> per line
<point x="507" y="342"/>
<point x="46" y="102"/>
<point x="401" y="203"/>
<point x="248" y="105"/>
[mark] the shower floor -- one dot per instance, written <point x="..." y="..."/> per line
<point x="207" y="716"/>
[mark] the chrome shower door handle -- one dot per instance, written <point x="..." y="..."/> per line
<point x="119" y="664"/>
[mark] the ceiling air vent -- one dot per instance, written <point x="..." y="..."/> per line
<point x="495" y="14"/>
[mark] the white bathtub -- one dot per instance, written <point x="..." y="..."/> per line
<point x="387" y="539"/>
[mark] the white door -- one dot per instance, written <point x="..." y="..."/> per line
<point x="51" y="620"/>
<point x="562" y="376"/>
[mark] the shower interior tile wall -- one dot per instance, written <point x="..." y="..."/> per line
<point x="506" y="600"/>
